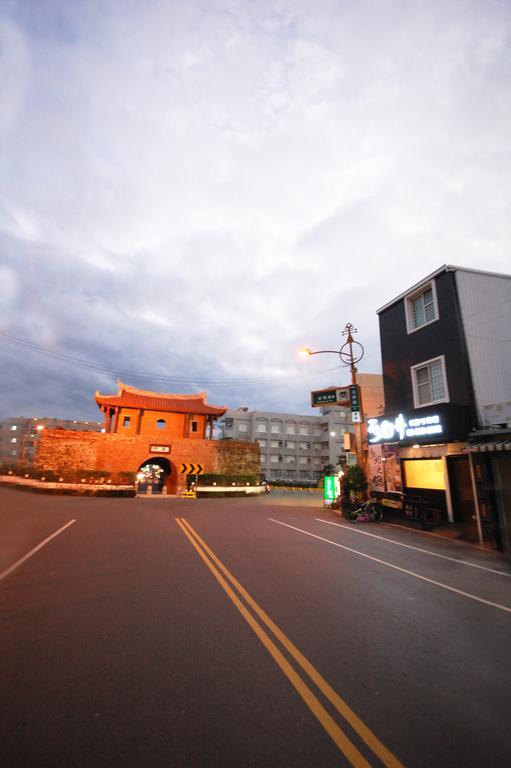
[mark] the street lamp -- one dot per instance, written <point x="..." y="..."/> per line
<point x="350" y="353"/>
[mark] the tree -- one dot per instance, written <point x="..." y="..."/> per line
<point x="354" y="481"/>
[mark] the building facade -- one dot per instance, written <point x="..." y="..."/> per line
<point x="159" y="438"/>
<point x="293" y="448"/>
<point x="19" y="436"/>
<point x="447" y="380"/>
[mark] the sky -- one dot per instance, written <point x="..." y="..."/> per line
<point x="191" y="191"/>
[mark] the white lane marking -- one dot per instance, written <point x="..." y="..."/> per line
<point x="417" y="549"/>
<point x="34" y="550"/>
<point x="397" y="568"/>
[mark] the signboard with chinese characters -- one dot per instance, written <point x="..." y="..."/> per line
<point x="331" y="488"/>
<point x="441" y="423"/>
<point x="355" y="403"/>
<point x="402" y="428"/>
<point x="354" y="391"/>
<point x="159" y="449"/>
<point x="331" y="396"/>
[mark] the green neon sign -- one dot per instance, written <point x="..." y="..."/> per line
<point x="331" y="488"/>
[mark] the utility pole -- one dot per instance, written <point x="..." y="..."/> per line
<point x="350" y="353"/>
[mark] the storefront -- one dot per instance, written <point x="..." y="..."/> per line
<point x="489" y="452"/>
<point x="418" y="465"/>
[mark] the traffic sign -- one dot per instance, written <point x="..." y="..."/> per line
<point x="330" y="396"/>
<point x="354" y="396"/>
<point x="191" y="469"/>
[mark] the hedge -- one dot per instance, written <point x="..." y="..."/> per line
<point x="91" y="476"/>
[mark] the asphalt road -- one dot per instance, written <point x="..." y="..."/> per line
<point x="256" y="632"/>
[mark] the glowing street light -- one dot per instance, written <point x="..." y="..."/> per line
<point x="350" y="353"/>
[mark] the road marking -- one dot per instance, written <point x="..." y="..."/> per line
<point x="334" y="731"/>
<point x="398" y="568"/>
<point x="34" y="550"/>
<point x="417" y="549"/>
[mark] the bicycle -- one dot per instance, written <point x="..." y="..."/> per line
<point x="367" y="512"/>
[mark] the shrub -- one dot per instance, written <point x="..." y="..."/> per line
<point x="354" y="481"/>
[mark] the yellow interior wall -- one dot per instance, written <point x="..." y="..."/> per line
<point x="425" y="473"/>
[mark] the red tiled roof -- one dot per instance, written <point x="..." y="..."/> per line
<point x="130" y="397"/>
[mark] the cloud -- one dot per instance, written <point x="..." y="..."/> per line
<point x="197" y="189"/>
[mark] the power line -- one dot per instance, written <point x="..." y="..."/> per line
<point x="82" y="364"/>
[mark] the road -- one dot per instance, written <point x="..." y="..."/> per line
<point x="233" y="632"/>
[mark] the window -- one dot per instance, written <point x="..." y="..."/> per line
<point x="194" y="426"/>
<point x="291" y="429"/>
<point x="13" y="428"/>
<point x="161" y="423"/>
<point x="126" y="421"/>
<point x="261" y="426"/>
<point x="290" y="444"/>
<point x="304" y="430"/>
<point x="262" y="443"/>
<point x="275" y="459"/>
<point x="421" y="308"/>
<point x="424" y="473"/>
<point x="14" y="440"/>
<point x="275" y="427"/>
<point x="242" y="427"/>
<point x="429" y="382"/>
<point x="275" y="443"/>
<point x="290" y="459"/>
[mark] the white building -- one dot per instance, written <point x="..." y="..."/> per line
<point x="293" y="447"/>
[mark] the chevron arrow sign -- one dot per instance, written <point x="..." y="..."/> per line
<point x="192" y="469"/>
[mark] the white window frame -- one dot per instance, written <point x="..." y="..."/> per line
<point x="410" y="328"/>
<point x="413" y="370"/>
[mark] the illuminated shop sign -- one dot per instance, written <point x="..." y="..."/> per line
<point x="402" y="428"/>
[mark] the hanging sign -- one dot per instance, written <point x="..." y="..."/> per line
<point x="354" y="391"/>
<point x="331" y="396"/>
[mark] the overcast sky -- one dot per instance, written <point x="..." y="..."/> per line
<point x="194" y="189"/>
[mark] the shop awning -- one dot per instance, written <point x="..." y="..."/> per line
<point x="493" y="445"/>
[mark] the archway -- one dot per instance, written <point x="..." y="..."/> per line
<point x="153" y="475"/>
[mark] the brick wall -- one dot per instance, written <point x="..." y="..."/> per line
<point x="65" y="449"/>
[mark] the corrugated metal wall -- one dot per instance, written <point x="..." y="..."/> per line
<point x="485" y="303"/>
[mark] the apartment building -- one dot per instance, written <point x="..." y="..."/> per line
<point x="19" y="435"/>
<point x="293" y="447"/>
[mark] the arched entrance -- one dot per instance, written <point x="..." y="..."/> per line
<point x="153" y="475"/>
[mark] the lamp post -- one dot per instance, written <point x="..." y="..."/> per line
<point x="350" y="353"/>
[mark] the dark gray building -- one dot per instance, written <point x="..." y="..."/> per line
<point x="447" y="379"/>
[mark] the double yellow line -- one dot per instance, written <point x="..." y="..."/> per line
<point x="238" y="594"/>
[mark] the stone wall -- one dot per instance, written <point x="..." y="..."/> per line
<point x="60" y="449"/>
